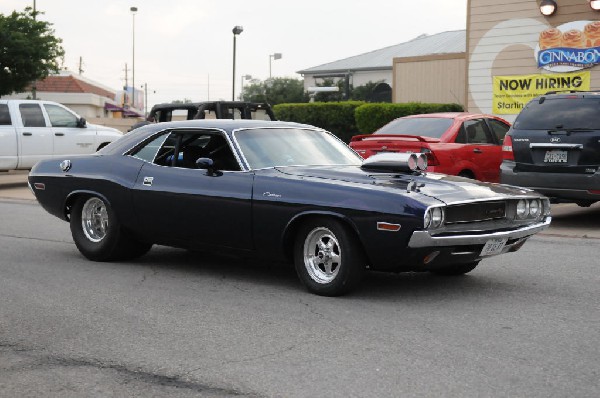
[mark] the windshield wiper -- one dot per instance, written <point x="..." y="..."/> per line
<point x="562" y="130"/>
<point x="579" y="129"/>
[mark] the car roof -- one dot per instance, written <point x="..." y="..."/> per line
<point x="569" y="94"/>
<point x="449" y="115"/>
<point x="129" y="140"/>
<point x="195" y="105"/>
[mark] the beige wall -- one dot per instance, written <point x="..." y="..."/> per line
<point x="435" y="78"/>
<point x="501" y="40"/>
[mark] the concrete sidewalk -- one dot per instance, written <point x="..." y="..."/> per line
<point x="13" y="185"/>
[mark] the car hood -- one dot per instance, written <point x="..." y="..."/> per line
<point x="104" y="129"/>
<point x="448" y="189"/>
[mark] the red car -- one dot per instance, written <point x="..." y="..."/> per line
<point x="463" y="144"/>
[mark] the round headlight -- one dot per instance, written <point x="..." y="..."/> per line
<point x="522" y="209"/>
<point x="535" y="208"/>
<point x="437" y="216"/>
<point x="427" y="220"/>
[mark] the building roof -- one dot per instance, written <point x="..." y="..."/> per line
<point x="66" y="82"/>
<point x="440" y="43"/>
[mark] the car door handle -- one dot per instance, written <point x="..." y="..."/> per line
<point x="477" y="150"/>
<point x="59" y="134"/>
<point x="27" y="134"/>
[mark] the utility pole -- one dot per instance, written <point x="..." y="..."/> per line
<point x="34" y="85"/>
<point x="80" y="65"/>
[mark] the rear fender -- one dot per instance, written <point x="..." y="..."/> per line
<point x="73" y="196"/>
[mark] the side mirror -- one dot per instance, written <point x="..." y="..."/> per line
<point x="81" y="123"/>
<point x="205" y="164"/>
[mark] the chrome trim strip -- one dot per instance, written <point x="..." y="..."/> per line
<point x="528" y="193"/>
<point x="425" y="239"/>
<point x="556" y="146"/>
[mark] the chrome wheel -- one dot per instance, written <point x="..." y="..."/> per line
<point x="322" y="255"/>
<point x="94" y="219"/>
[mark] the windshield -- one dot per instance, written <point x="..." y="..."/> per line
<point x="428" y="126"/>
<point x="560" y="113"/>
<point x="293" y="147"/>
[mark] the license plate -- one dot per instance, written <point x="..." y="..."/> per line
<point x="493" y="246"/>
<point x="555" y="157"/>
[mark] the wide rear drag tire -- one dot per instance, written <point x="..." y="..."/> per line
<point x="328" y="257"/>
<point x="98" y="234"/>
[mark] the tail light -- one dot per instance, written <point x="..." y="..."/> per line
<point x="431" y="159"/>
<point x="507" y="148"/>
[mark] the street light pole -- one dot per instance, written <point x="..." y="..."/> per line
<point x="133" y="11"/>
<point x="272" y="57"/>
<point x="236" y="31"/>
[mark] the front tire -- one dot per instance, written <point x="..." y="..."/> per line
<point x="328" y="257"/>
<point x="98" y="234"/>
<point x="456" y="269"/>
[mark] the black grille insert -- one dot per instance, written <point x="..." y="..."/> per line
<point x="472" y="212"/>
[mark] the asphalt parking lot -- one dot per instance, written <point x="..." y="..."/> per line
<point x="567" y="219"/>
<point x="181" y="324"/>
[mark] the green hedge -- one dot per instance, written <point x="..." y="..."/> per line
<point x="370" y="117"/>
<point x="336" y="117"/>
<point x="349" y="118"/>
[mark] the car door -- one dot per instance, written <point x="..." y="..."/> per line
<point x="70" y="137"/>
<point x="480" y="150"/>
<point x="8" y="138"/>
<point x="190" y="206"/>
<point x="35" y="136"/>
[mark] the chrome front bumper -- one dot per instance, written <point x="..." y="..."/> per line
<point x="425" y="239"/>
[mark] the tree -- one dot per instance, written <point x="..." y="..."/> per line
<point x="28" y="50"/>
<point x="278" y="90"/>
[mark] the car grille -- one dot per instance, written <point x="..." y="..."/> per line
<point x="473" y="212"/>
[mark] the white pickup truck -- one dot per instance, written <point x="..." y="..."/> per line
<point x="33" y="130"/>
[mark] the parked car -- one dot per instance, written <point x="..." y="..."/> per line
<point x="33" y="130"/>
<point x="284" y="192"/>
<point x="463" y="144"/>
<point x="554" y="147"/>
<point x="167" y="112"/>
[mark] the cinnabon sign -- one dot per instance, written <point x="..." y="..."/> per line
<point x="569" y="47"/>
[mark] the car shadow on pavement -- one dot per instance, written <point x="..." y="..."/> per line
<point x="256" y="274"/>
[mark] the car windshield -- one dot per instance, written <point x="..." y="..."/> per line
<point x="560" y="113"/>
<point x="428" y="126"/>
<point x="270" y="147"/>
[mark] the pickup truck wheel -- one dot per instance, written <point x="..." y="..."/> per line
<point x="456" y="269"/>
<point x="328" y="257"/>
<point x="98" y="234"/>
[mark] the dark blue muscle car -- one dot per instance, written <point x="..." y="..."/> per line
<point x="285" y="192"/>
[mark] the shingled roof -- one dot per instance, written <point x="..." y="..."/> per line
<point x="441" y="43"/>
<point x="69" y="83"/>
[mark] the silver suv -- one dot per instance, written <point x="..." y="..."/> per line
<point x="554" y="147"/>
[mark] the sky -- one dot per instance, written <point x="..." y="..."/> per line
<point x="184" y="48"/>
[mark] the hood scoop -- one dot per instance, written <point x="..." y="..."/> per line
<point x="395" y="162"/>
